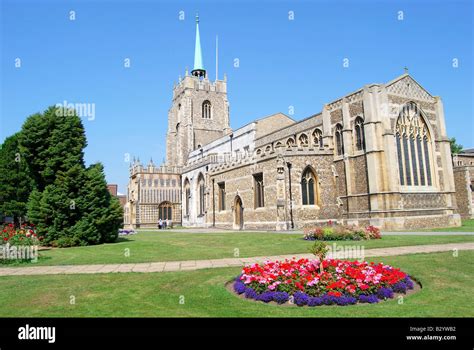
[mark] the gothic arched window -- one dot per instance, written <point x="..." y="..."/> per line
<point x="309" y="187"/>
<point x="201" y="187"/>
<point x="413" y="147"/>
<point x="318" y="138"/>
<point x="359" y="134"/>
<point x="339" y="141"/>
<point x="290" y="142"/>
<point x="206" y="109"/>
<point x="303" y="140"/>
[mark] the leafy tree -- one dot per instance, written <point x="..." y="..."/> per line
<point x="15" y="181"/>
<point x="455" y="147"/>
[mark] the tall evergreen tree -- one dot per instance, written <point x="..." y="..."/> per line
<point x="51" y="142"/>
<point x="101" y="219"/>
<point x="35" y="215"/>
<point x="59" y="208"/>
<point x="15" y="181"/>
<point x="71" y="204"/>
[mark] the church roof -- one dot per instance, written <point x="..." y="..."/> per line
<point x="400" y="84"/>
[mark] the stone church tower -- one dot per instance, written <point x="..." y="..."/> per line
<point x="199" y="113"/>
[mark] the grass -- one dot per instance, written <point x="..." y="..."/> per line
<point x="174" y="246"/>
<point x="466" y="226"/>
<point x="447" y="292"/>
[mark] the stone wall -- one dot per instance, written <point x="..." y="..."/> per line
<point x="278" y="209"/>
<point x="463" y="178"/>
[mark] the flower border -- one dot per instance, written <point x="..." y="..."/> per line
<point x="303" y="299"/>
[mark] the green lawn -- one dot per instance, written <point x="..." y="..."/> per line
<point x="467" y="226"/>
<point x="447" y="292"/>
<point x="172" y="246"/>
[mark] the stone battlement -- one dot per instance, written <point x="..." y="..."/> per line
<point x="255" y="157"/>
<point x="196" y="84"/>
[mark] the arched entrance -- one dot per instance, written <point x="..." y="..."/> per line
<point x="238" y="214"/>
<point x="165" y="211"/>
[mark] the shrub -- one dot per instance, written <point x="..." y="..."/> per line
<point x="65" y="242"/>
<point x="319" y="249"/>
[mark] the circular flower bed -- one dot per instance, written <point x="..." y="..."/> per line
<point x="340" y="282"/>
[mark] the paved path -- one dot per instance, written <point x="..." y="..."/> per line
<point x="213" y="263"/>
<point x="399" y="233"/>
<point x="300" y="232"/>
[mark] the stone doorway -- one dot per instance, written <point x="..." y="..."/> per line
<point x="238" y="214"/>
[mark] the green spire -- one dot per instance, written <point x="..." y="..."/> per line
<point x="198" y="69"/>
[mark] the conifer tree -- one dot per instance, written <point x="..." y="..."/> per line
<point x="70" y="204"/>
<point x="15" y="181"/>
<point x="51" y="142"/>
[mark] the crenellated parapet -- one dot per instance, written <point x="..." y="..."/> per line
<point x="136" y="167"/>
<point x="193" y="83"/>
<point x="265" y="155"/>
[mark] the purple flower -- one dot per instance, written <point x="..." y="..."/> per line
<point x="315" y="301"/>
<point x="385" y="293"/>
<point x="400" y="287"/>
<point x="301" y="298"/>
<point x="250" y="293"/>
<point x="281" y="297"/>
<point x="266" y="297"/>
<point x="409" y="283"/>
<point x="239" y="287"/>
<point x="328" y="299"/>
<point x="351" y="300"/>
<point x="345" y="300"/>
<point x="371" y="299"/>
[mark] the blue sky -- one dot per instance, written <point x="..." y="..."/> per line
<point x="283" y="62"/>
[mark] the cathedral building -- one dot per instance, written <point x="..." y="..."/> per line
<point x="379" y="155"/>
